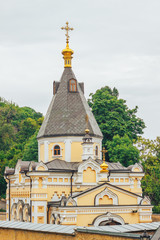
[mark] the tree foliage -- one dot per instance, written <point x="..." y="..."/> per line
<point x="150" y="158"/>
<point x="18" y="128"/>
<point x="30" y="152"/>
<point x="113" y="115"/>
<point x="121" y="149"/>
<point x="119" y="124"/>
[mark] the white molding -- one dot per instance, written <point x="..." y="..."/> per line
<point x="46" y="151"/>
<point x="41" y="164"/>
<point x="87" y="150"/>
<point x="52" y="149"/>
<point x="145" y="199"/>
<point x="68" y="149"/>
<point x="72" y="201"/>
<point x="72" y="138"/>
<point x="107" y="217"/>
<point x="83" y="166"/>
<point x="109" y="193"/>
<point x="136" y="165"/>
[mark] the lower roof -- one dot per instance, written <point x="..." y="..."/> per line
<point x="115" y="230"/>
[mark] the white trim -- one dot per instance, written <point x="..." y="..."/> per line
<point x="52" y="149"/>
<point x="145" y="199"/>
<point x="107" y="217"/>
<point x="83" y="166"/>
<point x="72" y="138"/>
<point x="136" y="165"/>
<point x="41" y="164"/>
<point x="68" y="150"/>
<point x="109" y="193"/>
<point x="46" y="151"/>
<point x="72" y="201"/>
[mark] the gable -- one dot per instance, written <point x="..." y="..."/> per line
<point x="106" y="195"/>
<point x="89" y="175"/>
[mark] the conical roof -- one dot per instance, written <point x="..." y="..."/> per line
<point x="66" y="115"/>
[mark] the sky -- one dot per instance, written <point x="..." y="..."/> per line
<point x="116" y="43"/>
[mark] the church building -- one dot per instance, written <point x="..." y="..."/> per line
<point x="72" y="184"/>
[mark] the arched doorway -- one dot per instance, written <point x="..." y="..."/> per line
<point x="14" y="212"/>
<point x="108" y="219"/>
<point x="109" y="223"/>
<point x="26" y="213"/>
<point x="20" y="206"/>
<point x="20" y="214"/>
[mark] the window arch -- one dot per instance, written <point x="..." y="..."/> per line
<point x="56" y="150"/>
<point x="72" y="85"/>
<point x="96" y="150"/>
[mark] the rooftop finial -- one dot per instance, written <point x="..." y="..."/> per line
<point x="67" y="52"/>
<point x="87" y="128"/>
<point x="104" y="165"/>
<point x="67" y="28"/>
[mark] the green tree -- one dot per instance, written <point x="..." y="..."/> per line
<point x="150" y="158"/>
<point x="30" y="152"/>
<point x="17" y="126"/>
<point x="119" y="124"/>
<point x="121" y="149"/>
<point x="27" y="128"/>
<point x="113" y="115"/>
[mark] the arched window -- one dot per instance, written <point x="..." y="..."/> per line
<point x="56" y="150"/>
<point x="72" y="85"/>
<point x="96" y="151"/>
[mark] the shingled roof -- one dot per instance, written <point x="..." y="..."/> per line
<point x="67" y="112"/>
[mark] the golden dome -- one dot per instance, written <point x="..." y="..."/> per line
<point x="86" y="130"/>
<point x="104" y="167"/>
<point x="67" y="52"/>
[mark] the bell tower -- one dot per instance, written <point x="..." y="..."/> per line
<point x="60" y="136"/>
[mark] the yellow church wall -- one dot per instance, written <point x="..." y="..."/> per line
<point x="105" y="200"/>
<point x="20" y="178"/>
<point x="76" y="152"/>
<point x="123" y="198"/>
<point x="41" y="152"/>
<point x="89" y="175"/>
<point x="40" y="219"/>
<point x="130" y="218"/>
<point x="40" y="168"/>
<point x="20" y="192"/>
<point x="136" y="189"/>
<point x="50" y="150"/>
<point x="41" y="209"/>
<point x="58" y="189"/>
<point x="86" y="219"/>
<point x="88" y="199"/>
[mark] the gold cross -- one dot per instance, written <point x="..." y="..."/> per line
<point x="103" y="152"/>
<point x="67" y="30"/>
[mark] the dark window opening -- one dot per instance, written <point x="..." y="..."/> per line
<point x="56" y="150"/>
<point x="72" y="85"/>
<point x="96" y="151"/>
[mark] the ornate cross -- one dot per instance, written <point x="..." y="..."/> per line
<point x="103" y="152"/>
<point x="67" y="30"/>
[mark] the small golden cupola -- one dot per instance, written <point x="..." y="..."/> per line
<point x="104" y="165"/>
<point x="67" y="52"/>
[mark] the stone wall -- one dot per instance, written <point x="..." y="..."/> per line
<point x="16" y="234"/>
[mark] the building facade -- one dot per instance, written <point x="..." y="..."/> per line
<point x="71" y="184"/>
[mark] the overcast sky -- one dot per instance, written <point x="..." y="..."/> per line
<point x="115" y="43"/>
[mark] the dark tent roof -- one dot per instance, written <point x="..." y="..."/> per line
<point x="66" y="115"/>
